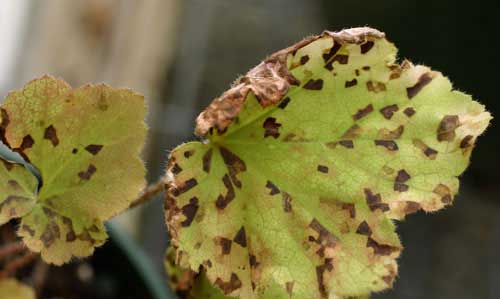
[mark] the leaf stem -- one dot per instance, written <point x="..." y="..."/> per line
<point x="11" y="248"/>
<point x="149" y="193"/>
<point x="11" y="267"/>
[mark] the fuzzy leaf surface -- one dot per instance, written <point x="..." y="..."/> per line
<point x="85" y="143"/>
<point x="307" y="161"/>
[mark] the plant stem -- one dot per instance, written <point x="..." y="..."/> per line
<point x="149" y="193"/>
<point x="17" y="263"/>
<point x="11" y="248"/>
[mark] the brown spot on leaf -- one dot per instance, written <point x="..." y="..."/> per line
<point x="51" y="134"/>
<point x="176" y="169"/>
<point x="289" y="287"/>
<point x="50" y="234"/>
<point x="271" y="127"/>
<point x="241" y="237"/>
<point x="363" y="112"/>
<point x="184" y="187"/>
<point x="94" y="149"/>
<point x="385" y="133"/>
<point x="388" y="111"/>
<point x="325" y="237"/>
<point x="409" y="111"/>
<point x="188" y="154"/>
<point x="364" y="229"/>
<point x="322" y="168"/>
<point x="467" y="141"/>
<point x="333" y="50"/>
<point x="350" y="208"/>
<point x="189" y="211"/>
<point x="228" y="287"/>
<point x="445" y="193"/>
<point x="25" y="144"/>
<point x="346" y="143"/>
<point x="287" y="202"/>
<point x="274" y="189"/>
<point x="314" y="84"/>
<point x="366" y="47"/>
<point x="252" y="260"/>
<point x="207" y="160"/>
<point x="74" y="151"/>
<point x="351" y="83"/>
<point x="234" y="165"/>
<point x="86" y="175"/>
<point x="8" y="165"/>
<point x="28" y="229"/>
<point x="374" y="201"/>
<point x="304" y="59"/>
<point x="412" y="207"/>
<point x="3" y="125"/>
<point x="447" y="126"/>
<point x="284" y="103"/>
<point x="401" y="178"/>
<point x="390" y="145"/>
<point x="225" y="245"/>
<point x="352" y="132"/>
<point x="375" y="86"/>
<point x="381" y="249"/>
<point x="429" y="152"/>
<point x="17" y="200"/>
<point x="421" y="83"/>
<point x="222" y="201"/>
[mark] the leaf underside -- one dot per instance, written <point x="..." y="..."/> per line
<point x="307" y="161"/>
<point x="85" y="143"/>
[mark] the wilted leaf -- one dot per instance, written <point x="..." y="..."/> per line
<point x="308" y="159"/>
<point x="13" y="289"/>
<point x="85" y="144"/>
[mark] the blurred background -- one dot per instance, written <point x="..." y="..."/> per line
<point x="182" y="53"/>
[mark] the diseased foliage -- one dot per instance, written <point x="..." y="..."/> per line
<point x="308" y="159"/>
<point x="13" y="289"/>
<point x="85" y="144"/>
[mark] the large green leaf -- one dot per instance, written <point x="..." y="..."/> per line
<point x="85" y="143"/>
<point x="307" y="160"/>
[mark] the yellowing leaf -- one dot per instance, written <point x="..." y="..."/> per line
<point x="85" y="144"/>
<point x="13" y="289"/>
<point x="307" y="160"/>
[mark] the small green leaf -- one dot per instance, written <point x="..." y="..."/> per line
<point x="13" y="289"/>
<point x="85" y="143"/>
<point x="308" y="159"/>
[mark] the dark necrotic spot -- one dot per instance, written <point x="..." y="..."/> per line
<point x="323" y="168"/>
<point x="341" y="59"/>
<point x="184" y="187"/>
<point x="252" y="260"/>
<point x="28" y="229"/>
<point x="287" y="202"/>
<point x="346" y="143"/>
<point x="271" y="127"/>
<point x="188" y="154"/>
<point x="375" y="87"/>
<point x="351" y="83"/>
<point x="363" y="112"/>
<point x="50" y="234"/>
<point x="412" y="207"/>
<point x="284" y="103"/>
<point x="228" y="287"/>
<point x="314" y="84"/>
<point x="390" y="145"/>
<point x="304" y="59"/>
<point x="222" y="201"/>
<point x="234" y="165"/>
<point x="380" y="249"/>
<point x="333" y="50"/>
<point x="350" y="208"/>
<point x="94" y="149"/>
<point x="225" y="245"/>
<point x="51" y="134"/>
<point x="388" y="111"/>
<point x="207" y="160"/>
<point x="402" y="176"/>
<point x="366" y="68"/>
<point x="421" y="83"/>
<point x="400" y="187"/>
<point x="429" y="152"/>
<point x="74" y="151"/>
<point x="447" y="126"/>
<point x="274" y="189"/>
<point x="26" y="143"/>
<point x="189" y="211"/>
<point x="3" y="125"/>
<point x="409" y="111"/>
<point x="374" y="201"/>
<point x="364" y="229"/>
<point x="366" y="47"/>
<point x="176" y="169"/>
<point x="86" y="175"/>
<point x="241" y="237"/>
<point x="466" y="142"/>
